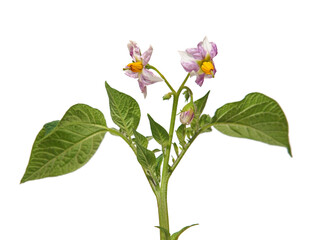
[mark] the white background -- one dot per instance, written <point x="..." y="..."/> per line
<point x="54" y="54"/>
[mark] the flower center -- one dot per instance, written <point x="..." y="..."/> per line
<point x="207" y="67"/>
<point x="135" y="66"/>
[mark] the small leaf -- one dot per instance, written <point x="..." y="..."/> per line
<point x="181" y="134"/>
<point x="124" y="110"/>
<point x="176" y="149"/>
<point x="63" y="147"/>
<point x="139" y="138"/>
<point x="200" y="104"/>
<point x="176" y="235"/>
<point x="149" y="138"/>
<point x="146" y="158"/>
<point x="256" y="117"/>
<point x="156" y="150"/>
<point x="158" y="132"/>
<point x="199" y="107"/>
<point x="158" y="166"/>
<point x="205" y="119"/>
<point x="189" y="132"/>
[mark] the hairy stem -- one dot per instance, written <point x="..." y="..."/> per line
<point x="166" y="172"/>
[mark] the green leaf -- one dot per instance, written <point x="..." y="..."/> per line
<point x="63" y="147"/>
<point x="124" y="110"/>
<point x="181" y="134"/>
<point x="48" y="127"/>
<point x="200" y="104"/>
<point x="256" y="117"/>
<point x="199" y="107"/>
<point x="176" y="149"/>
<point x="158" y="132"/>
<point x="146" y="158"/>
<point x="148" y="161"/>
<point x="157" y="168"/>
<point x="204" y="120"/>
<point x="176" y="235"/>
<point x="140" y="139"/>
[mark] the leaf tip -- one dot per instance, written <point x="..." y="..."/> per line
<point x="23" y="180"/>
<point x="290" y="152"/>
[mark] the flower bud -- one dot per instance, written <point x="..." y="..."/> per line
<point x="187" y="114"/>
<point x="167" y="96"/>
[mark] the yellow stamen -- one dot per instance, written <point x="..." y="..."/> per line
<point x="135" y="66"/>
<point x="207" y="67"/>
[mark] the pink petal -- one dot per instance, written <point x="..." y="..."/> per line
<point x="214" y="69"/>
<point x="206" y="45"/>
<point x="188" y="62"/>
<point x="147" y="77"/>
<point x="194" y="52"/>
<point x="201" y="50"/>
<point x="146" y="56"/>
<point x="134" y="51"/>
<point x="143" y="88"/>
<point x="132" y="74"/>
<point x="214" y="50"/>
<point x="200" y="79"/>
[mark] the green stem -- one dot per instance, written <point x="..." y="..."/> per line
<point x="165" y="80"/>
<point x="162" y="199"/>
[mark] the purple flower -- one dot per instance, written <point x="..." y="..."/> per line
<point x="187" y="114"/>
<point x="198" y="61"/>
<point x="137" y="69"/>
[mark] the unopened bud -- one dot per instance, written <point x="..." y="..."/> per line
<point x="167" y="96"/>
<point x="187" y="114"/>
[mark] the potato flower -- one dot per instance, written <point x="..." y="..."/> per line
<point x="137" y="69"/>
<point x="198" y="61"/>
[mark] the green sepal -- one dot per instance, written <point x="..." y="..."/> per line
<point x="124" y="110"/>
<point x="64" y="146"/>
<point x="159" y="133"/>
<point x="256" y="117"/>
<point x="186" y="94"/>
<point x="176" y="235"/>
